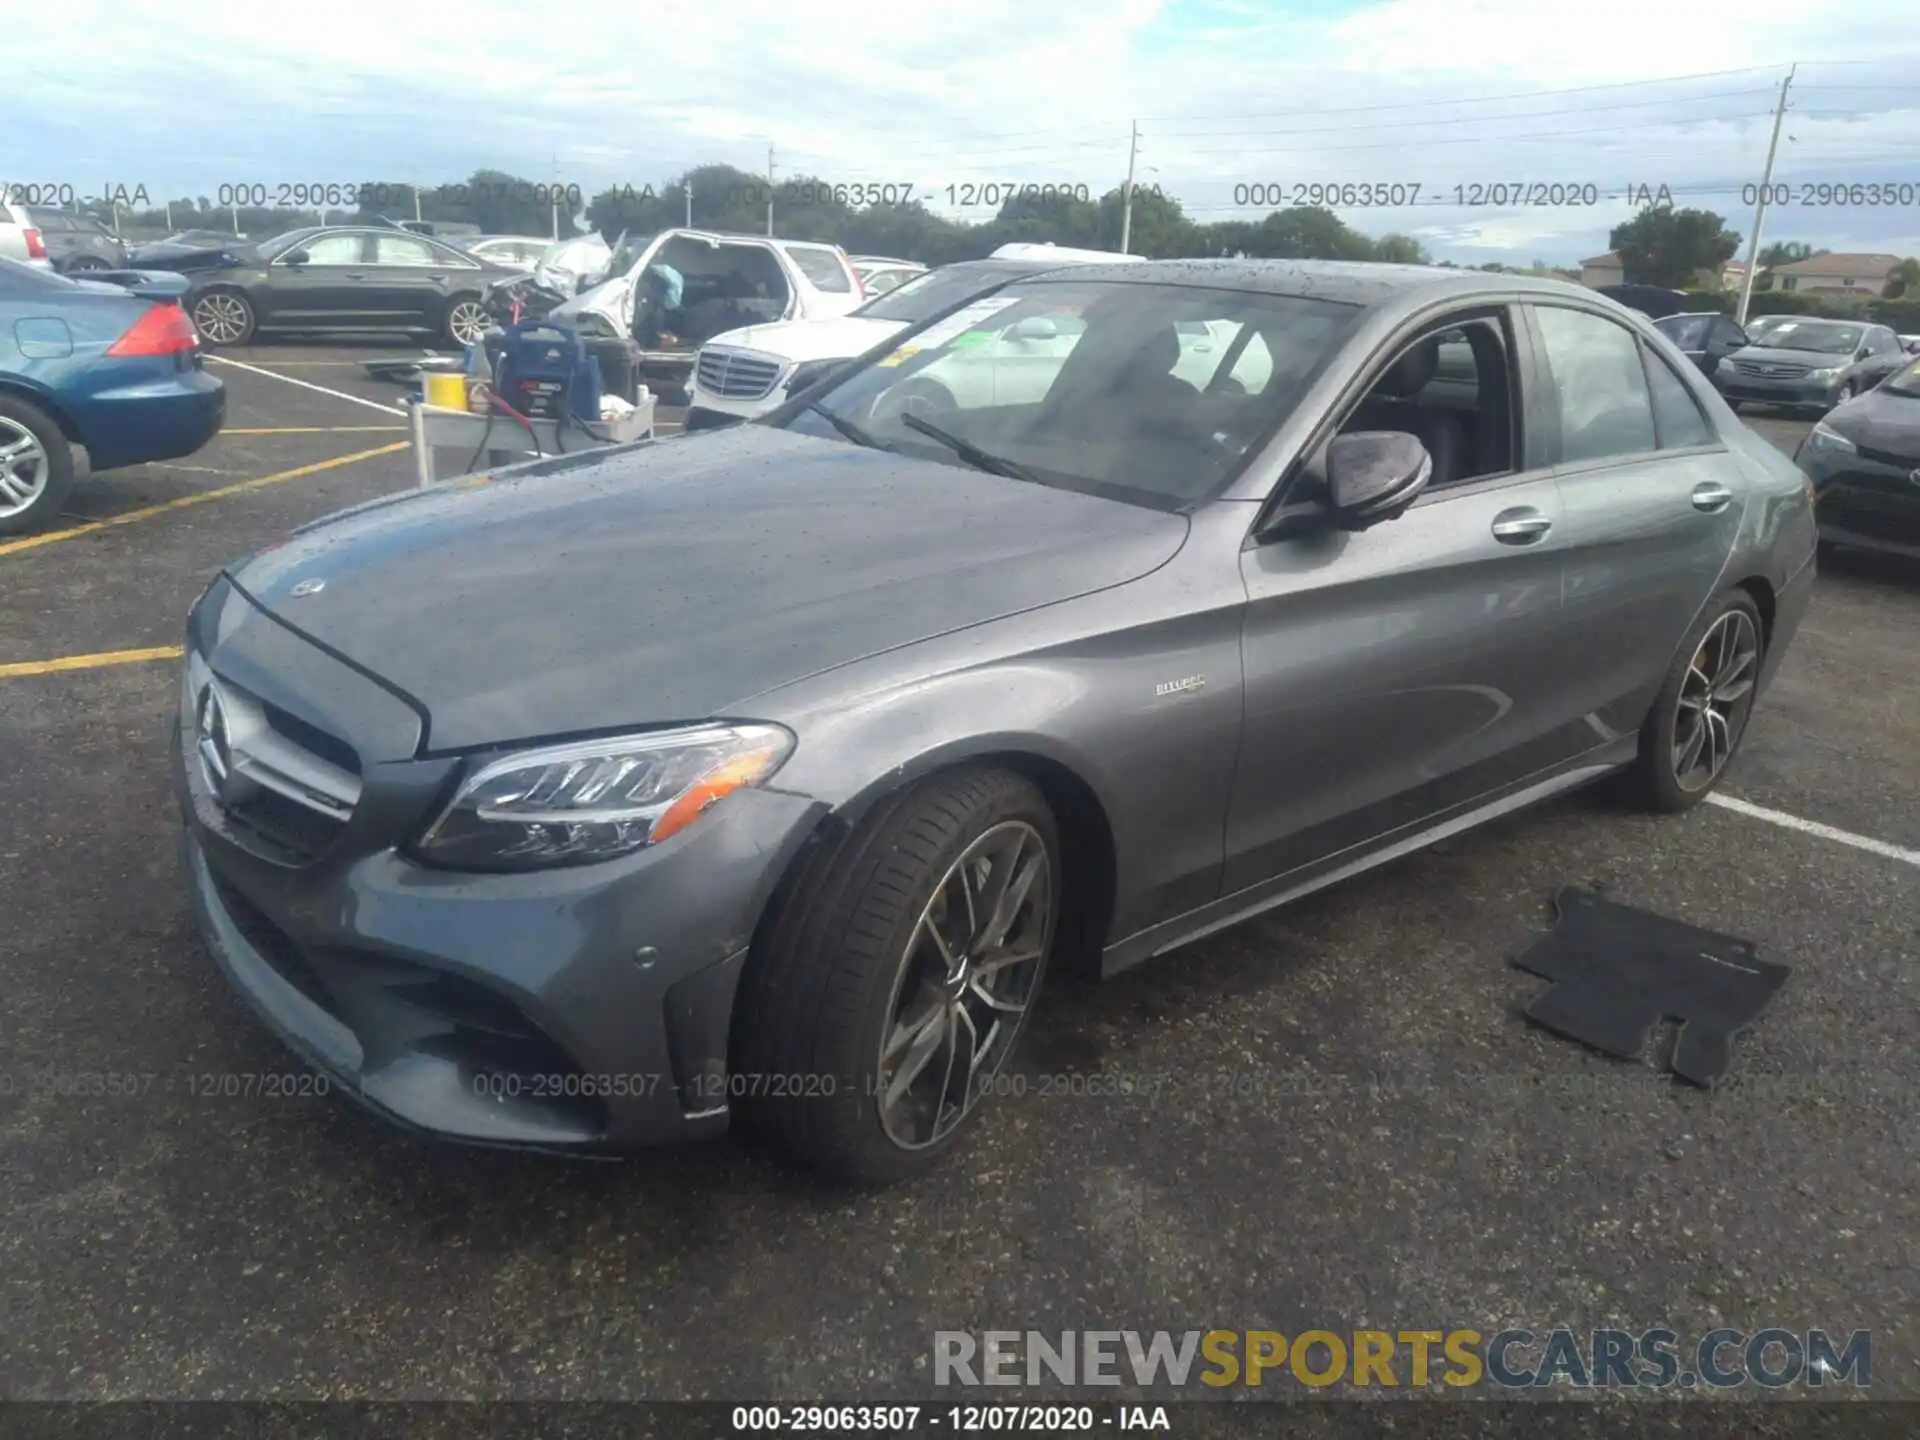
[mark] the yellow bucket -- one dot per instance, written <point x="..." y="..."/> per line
<point x="445" y="391"/>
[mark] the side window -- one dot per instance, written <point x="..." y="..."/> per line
<point x="1596" y="386"/>
<point x="1676" y="415"/>
<point x="398" y="249"/>
<point x="333" y="249"/>
<point x="822" y="268"/>
<point x="1452" y="389"/>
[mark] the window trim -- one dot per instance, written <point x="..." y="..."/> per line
<point x="363" y="236"/>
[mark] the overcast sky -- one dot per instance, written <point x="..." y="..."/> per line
<point x="951" y="92"/>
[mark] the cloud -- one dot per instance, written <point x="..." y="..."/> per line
<point x="1227" y="93"/>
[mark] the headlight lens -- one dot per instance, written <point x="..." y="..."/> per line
<point x="1822" y="438"/>
<point x="1830" y="372"/>
<point x="576" y="804"/>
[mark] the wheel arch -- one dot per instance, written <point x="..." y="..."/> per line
<point x="44" y="400"/>
<point x="1760" y="590"/>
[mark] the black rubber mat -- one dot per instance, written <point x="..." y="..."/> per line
<point x="1621" y="971"/>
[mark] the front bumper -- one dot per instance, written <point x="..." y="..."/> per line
<point x="580" y="1009"/>
<point x="1764" y="391"/>
<point x="1866" y="501"/>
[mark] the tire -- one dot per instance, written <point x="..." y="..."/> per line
<point x="928" y="399"/>
<point x="36" y="466"/>
<point x="81" y="263"/>
<point x="464" y="311"/>
<point x="846" y="958"/>
<point x="223" y="316"/>
<point x="1657" y="778"/>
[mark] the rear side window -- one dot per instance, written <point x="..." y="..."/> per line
<point x="1597" y="387"/>
<point x="822" y="267"/>
<point x="1676" y="415"/>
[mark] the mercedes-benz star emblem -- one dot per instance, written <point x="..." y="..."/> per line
<point x="1914" y="476"/>
<point x="215" y="743"/>
<point x="307" y="587"/>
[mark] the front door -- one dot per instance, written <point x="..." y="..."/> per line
<point x="327" y="290"/>
<point x="1414" y="667"/>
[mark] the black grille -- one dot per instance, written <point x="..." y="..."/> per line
<point x="1898" y="524"/>
<point x="330" y="748"/>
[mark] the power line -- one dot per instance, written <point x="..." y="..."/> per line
<point x="1476" y="119"/>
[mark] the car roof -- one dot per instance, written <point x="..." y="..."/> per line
<point x="1349" y="282"/>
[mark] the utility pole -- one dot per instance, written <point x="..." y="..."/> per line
<point x="169" y="217"/>
<point x="556" y="196"/>
<point x="1760" y="210"/>
<point x="686" y="189"/>
<point x="416" y="204"/>
<point x="1126" y="200"/>
<point x="769" y="192"/>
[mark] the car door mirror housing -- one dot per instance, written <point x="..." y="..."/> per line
<point x="1034" y="327"/>
<point x="1374" y="475"/>
<point x="296" y="257"/>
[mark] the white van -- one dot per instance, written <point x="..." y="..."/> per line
<point x="747" y="372"/>
<point x="728" y="281"/>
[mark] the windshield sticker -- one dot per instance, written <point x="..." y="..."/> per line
<point x="900" y="356"/>
<point x="973" y="340"/>
<point x="964" y="319"/>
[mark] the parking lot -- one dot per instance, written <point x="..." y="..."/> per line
<point x="1337" y="1119"/>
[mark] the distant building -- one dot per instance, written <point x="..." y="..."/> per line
<point x="1602" y="270"/>
<point x="1836" y="273"/>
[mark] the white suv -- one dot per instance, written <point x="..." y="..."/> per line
<point x="728" y="281"/>
<point x="747" y="372"/>
<point x="20" y="239"/>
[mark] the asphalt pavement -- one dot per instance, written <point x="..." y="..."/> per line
<point x="1336" y="1117"/>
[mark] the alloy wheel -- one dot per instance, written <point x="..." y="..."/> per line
<point x="221" y="318"/>
<point x="23" y="468"/>
<point x="965" y="981"/>
<point x="1714" y="700"/>
<point x="467" y="322"/>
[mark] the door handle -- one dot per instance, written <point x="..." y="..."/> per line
<point x="355" y="274"/>
<point x="1521" y="526"/>
<point x="1711" y="497"/>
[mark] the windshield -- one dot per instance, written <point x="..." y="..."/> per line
<point x="1811" y="335"/>
<point x="1689" y="332"/>
<point x="924" y="296"/>
<point x="1154" y="394"/>
<point x="285" y="239"/>
<point x="1904" y="382"/>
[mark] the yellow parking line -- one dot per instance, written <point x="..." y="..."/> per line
<point x="89" y="662"/>
<point x="318" y="430"/>
<point x="221" y="492"/>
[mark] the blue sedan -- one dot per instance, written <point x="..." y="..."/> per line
<point x="112" y="367"/>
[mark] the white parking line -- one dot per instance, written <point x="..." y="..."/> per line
<point x="308" y="385"/>
<point x="1814" y="827"/>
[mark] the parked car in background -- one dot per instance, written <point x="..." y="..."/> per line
<point x="763" y="774"/>
<point x="78" y="242"/>
<point x="1911" y="344"/>
<point x="879" y="274"/>
<point x="1704" y="337"/>
<point x="457" y="232"/>
<point x="20" y="238"/>
<point x="1803" y="363"/>
<point x="725" y="282"/>
<point x="338" y="278"/>
<point x="1864" y="461"/>
<point x="186" y="250"/>
<point x="747" y="372"/>
<point x="517" y="252"/>
<point x="115" y="370"/>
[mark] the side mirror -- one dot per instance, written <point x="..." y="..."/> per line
<point x="296" y="257"/>
<point x="1374" y="475"/>
<point x="1034" y="327"/>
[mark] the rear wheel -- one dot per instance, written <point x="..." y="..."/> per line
<point x="1701" y="714"/>
<point x="36" y="466"/>
<point x="466" y="320"/>
<point x="894" y="981"/>
<point x="223" y="317"/>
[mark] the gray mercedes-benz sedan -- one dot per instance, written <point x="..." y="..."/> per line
<point x="761" y="774"/>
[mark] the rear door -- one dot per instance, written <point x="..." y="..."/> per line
<point x="1653" y="503"/>
<point x="410" y="278"/>
<point x="1414" y="668"/>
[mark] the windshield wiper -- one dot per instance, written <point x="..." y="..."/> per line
<point x="847" y="428"/>
<point x="972" y="453"/>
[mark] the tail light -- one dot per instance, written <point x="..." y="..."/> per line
<point x="162" y="330"/>
<point x="36" y="247"/>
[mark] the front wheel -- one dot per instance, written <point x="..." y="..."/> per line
<point x="466" y="320"/>
<point x="1701" y="714"/>
<point x="223" y="317"/>
<point x="890" y="987"/>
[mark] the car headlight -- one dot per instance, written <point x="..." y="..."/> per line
<point x="1831" y="372"/>
<point x="577" y="804"/>
<point x="1824" y="440"/>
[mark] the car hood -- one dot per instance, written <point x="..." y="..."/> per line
<point x="675" y="580"/>
<point x="1880" y="420"/>
<point x="841" y="337"/>
<point x="1812" y="359"/>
